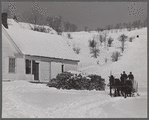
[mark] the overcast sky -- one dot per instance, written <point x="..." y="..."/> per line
<point x="90" y="14"/>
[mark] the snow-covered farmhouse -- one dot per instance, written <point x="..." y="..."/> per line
<point x="32" y="55"/>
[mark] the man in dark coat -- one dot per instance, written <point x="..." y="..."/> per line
<point x="123" y="77"/>
<point x="131" y="77"/>
<point x="111" y="80"/>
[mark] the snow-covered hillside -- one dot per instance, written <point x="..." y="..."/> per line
<point x="81" y="40"/>
<point x="134" y="58"/>
<point x="14" y="24"/>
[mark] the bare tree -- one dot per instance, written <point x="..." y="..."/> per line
<point x="34" y="17"/>
<point x="120" y="26"/>
<point x="112" y="27"/>
<point x="57" y="23"/>
<point x="116" y="27"/>
<point x="73" y="28"/>
<point x="50" y="20"/>
<point x="101" y="39"/>
<point x="134" y="24"/>
<point x="139" y="24"/>
<point x="110" y="40"/>
<point x="124" y="25"/>
<point x="93" y="48"/>
<point x="145" y="22"/>
<point x="108" y="27"/>
<point x="66" y="26"/>
<point x="69" y="27"/>
<point x="105" y="40"/>
<point x="129" y="26"/>
<point x="123" y="38"/>
<point x="98" y="29"/>
<point x="85" y="28"/>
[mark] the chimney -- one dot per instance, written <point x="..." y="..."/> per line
<point x="4" y="20"/>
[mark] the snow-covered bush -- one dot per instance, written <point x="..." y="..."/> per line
<point x="59" y="31"/>
<point x="110" y="40"/>
<point x="67" y="80"/>
<point x="130" y="39"/>
<point x="76" y="50"/>
<point x="69" y="36"/>
<point x="115" y="56"/>
<point x="97" y="82"/>
<point x="97" y="62"/>
<point x="39" y="29"/>
<point x="92" y="43"/>
<point x="15" y="18"/>
<point x="106" y="60"/>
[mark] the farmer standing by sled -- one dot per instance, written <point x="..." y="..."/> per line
<point x="123" y="77"/>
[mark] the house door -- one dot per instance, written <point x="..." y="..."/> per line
<point x="35" y="70"/>
<point x="36" y="73"/>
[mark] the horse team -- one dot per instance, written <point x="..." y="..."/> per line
<point x="125" y="86"/>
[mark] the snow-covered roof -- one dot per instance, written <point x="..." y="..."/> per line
<point x="41" y="44"/>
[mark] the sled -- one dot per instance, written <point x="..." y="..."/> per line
<point x="124" y="90"/>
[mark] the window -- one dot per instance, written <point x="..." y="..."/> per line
<point x="11" y="65"/>
<point x="28" y="66"/>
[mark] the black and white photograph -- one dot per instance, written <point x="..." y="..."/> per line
<point x="74" y="59"/>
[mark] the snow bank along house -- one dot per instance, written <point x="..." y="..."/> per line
<point x="32" y="55"/>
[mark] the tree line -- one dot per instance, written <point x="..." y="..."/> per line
<point x="36" y="17"/>
<point x="56" y="22"/>
<point x="129" y="26"/>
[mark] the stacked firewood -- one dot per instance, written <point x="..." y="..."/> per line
<point x="67" y="80"/>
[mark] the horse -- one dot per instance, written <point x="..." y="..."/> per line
<point x="127" y="88"/>
<point x="114" y="84"/>
<point x="118" y="87"/>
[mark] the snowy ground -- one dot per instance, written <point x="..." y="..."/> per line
<point x="22" y="99"/>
